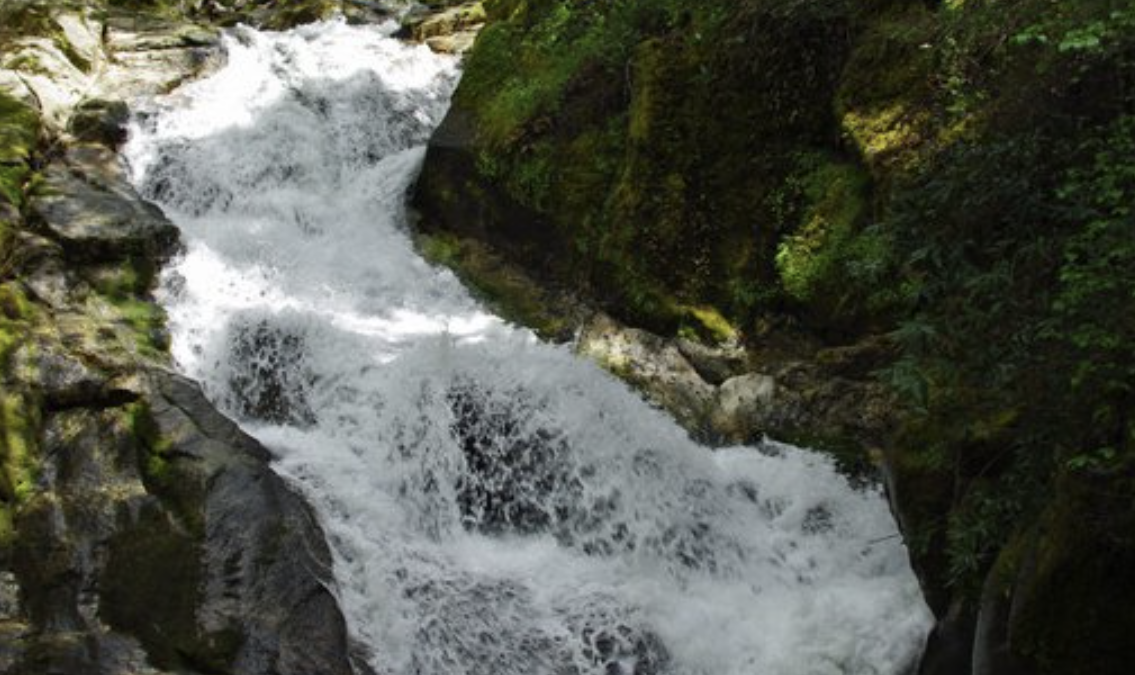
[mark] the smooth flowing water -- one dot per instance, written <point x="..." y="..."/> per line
<point x="496" y="506"/>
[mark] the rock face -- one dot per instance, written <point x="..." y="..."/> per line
<point x="87" y="206"/>
<point x="140" y="530"/>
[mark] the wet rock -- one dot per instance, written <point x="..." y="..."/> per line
<point x="160" y="527"/>
<point x="264" y="600"/>
<point x="100" y="121"/>
<point x="89" y="208"/>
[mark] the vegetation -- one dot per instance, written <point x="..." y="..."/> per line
<point x="959" y="175"/>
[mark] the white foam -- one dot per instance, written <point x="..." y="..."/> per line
<point x="495" y="505"/>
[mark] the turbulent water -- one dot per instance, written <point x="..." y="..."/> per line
<point x="496" y="505"/>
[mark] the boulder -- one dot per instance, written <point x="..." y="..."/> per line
<point x="159" y="534"/>
<point x="742" y="404"/>
<point x="650" y="363"/>
<point x="456" y="43"/>
<point x="94" y="213"/>
<point x="447" y="30"/>
<point x="715" y="364"/>
<point x="100" y="121"/>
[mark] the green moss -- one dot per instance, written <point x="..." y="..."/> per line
<point x="127" y="280"/>
<point x="19" y="432"/>
<point x="502" y="286"/>
<point x="613" y="125"/>
<point x="19" y="134"/>
<point x="707" y="324"/>
<point x="885" y="102"/>
<point x="808" y="260"/>
<point x="154" y="447"/>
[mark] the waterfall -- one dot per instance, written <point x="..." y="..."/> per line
<point x="496" y="505"/>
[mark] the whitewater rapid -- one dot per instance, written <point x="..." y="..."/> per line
<point x="496" y="506"/>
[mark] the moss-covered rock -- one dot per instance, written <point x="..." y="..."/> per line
<point x="608" y="141"/>
<point x="954" y="174"/>
<point x="139" y="529"/>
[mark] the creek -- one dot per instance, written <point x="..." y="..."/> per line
<point x="495" y="505"/>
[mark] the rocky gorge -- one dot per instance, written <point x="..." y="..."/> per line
<point x="766" y="217"/>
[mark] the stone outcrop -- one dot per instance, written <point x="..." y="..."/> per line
<point x="140" y="530"/>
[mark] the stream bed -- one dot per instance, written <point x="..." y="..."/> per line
<point x="495" y="505"/>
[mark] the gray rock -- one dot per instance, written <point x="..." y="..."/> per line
<point x="741" y="405"/>
<point x="64" y="378"/>
<point x="447" y="21"/>
<point x="41" y="268"/>
<point x="100" y="121"/>
<point x="266" y="569"/>
<point x="652" y="364"/>
<point x="160" y="535"/>
<point x="714" y="364"/>
<point x="453" y="43"/>
<point x="90" y="209"/>
<point x="9" y="596"/>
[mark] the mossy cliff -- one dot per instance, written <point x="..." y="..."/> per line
<point x="949" y="181"/>
<point x="140" y="530"/>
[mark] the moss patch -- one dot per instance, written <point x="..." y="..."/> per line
<point x="19" y="434"/>
<point x="19" y="134"/>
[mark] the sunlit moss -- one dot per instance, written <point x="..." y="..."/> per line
<point x="19" y="133"/>
<point x="706" y="323"/>
<point x="883" y="132"/>
<point x="18" y="428"/>
<point x="811" y="260"/>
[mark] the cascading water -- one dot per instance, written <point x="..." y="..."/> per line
<point x="496" y="505"/>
